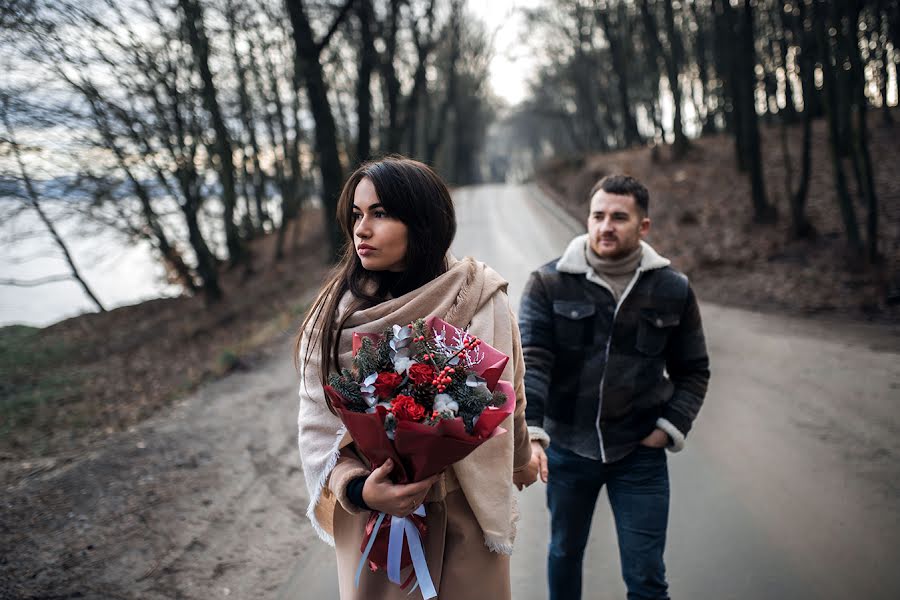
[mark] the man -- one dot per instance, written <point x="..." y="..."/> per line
<point x="615" y="372"/>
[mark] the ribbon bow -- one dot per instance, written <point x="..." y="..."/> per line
<point x="402" y="528"/>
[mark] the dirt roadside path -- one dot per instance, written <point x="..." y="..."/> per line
<point x="205" y="500"/>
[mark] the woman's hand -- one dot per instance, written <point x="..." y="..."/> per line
<point x="398" y="500"/>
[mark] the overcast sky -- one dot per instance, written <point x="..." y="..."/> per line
<point x="512" y="63"/>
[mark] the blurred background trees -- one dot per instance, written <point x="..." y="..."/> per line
<point x="614" y="73"/>
<point x="201" y="125"/>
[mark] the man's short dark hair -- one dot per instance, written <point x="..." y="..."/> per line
<point x="624" y="185"/>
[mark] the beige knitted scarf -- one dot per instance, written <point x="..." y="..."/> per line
<point x="469" y="294"/>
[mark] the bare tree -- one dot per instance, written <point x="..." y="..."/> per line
<point x="221" y="146"/>
<point x="832" y="108"/>
<point x="672" y="59"/>
<point x="309" y="67"/>
<point x="33" y="199"/>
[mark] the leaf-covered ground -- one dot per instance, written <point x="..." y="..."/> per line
<point x="702" y="219"/>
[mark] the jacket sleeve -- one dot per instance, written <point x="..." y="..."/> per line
<point x="688" y="366"/>
<point x="347" y="468"/>
<point x="536" y="327"/>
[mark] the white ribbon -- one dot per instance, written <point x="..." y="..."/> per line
<point x="368" y="549"/>
<point x="402" y="527"/>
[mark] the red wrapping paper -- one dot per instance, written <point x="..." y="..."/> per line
<point x="419" y="450"/>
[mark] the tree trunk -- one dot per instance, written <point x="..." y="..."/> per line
<point x="679" y="146"/>
<point x="726" y="31"/>
<point x="159" y="238"/>
<point x="763" y="212"/>
<point x="708" y="124"/>
<point x="809" y="51"/>
<point x="672" y="64"/>
<point x="206" y="263"/>
<point x="786" y="154"/>
<point x="256" y="174"/>
<point x="436" y="138"/>
<point x="584" y="82"/>
<point x="630" y="130"/>
<point x="393" y="135"/>
<point x="859" y="132"/>
<point x="413" y="102"/>
<point x="424" y="45"/>
<point x="310" y="70"/>
<point x="673" y="69"/>
<point x="222" y="143"/>
<point x="367" y="59"/>
<point x="848" y="214"/>
<point x="800" y="225"/>
<point x="153" y="231"/>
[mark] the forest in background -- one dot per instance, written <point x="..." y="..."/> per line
<point x="199" y="125"/>
<point x="618" y="74"/>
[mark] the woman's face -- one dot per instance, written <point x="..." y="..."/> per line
<point x="380" y="239"/>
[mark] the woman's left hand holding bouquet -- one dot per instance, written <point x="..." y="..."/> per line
<point x="399" y="500"/>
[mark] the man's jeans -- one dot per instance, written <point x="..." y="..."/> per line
<point x="638" y="491"/>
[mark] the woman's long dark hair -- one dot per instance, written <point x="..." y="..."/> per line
<point x="411" y="192"/>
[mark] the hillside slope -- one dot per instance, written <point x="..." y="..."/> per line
<point x="702" y="220"/>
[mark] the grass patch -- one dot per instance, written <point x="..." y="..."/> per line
<point x="34" y="376"/>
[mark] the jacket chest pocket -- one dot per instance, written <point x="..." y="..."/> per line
<point x="654" y="329"/>
<point x="573" y="323"/>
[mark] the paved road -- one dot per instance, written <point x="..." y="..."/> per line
<point x="790" y="482"/>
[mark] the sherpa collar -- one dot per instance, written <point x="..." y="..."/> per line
<point x="574" y="261"/>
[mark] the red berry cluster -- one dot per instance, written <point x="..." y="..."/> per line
<point x="443" y="378"/>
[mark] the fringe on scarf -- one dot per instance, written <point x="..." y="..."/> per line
<point x="500" y="547"/>
<point x="320" y="485"/>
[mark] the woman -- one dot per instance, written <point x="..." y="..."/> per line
<point x="399" y="222"/>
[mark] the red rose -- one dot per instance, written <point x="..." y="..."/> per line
<point x="386" y="383"/>
<point x="421" y="373"/>
<point x="406" y="409"/>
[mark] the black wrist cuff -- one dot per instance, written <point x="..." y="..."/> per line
<point x="354" y="492"/>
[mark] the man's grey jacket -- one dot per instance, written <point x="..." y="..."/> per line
<point x="600" y="376"/>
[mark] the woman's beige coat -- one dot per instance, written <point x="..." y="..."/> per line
<point x="472" y="512"/>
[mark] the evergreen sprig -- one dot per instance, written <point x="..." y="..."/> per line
<point x="472" y="401"/>
<point x="368" y="358"/>
<point x="346" y="385"/>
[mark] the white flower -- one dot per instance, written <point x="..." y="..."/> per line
<point x="445" y="403"/>
<point x="402" y="363"/>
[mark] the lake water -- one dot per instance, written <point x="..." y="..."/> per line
<point x="118" y="271"/>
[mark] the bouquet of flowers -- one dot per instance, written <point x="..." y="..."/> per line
<point x="425" y="395"/>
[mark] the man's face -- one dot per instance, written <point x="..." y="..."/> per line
<point x="615" y="225"/>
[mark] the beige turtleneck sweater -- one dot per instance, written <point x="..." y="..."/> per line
<point x="617" y="273"/>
